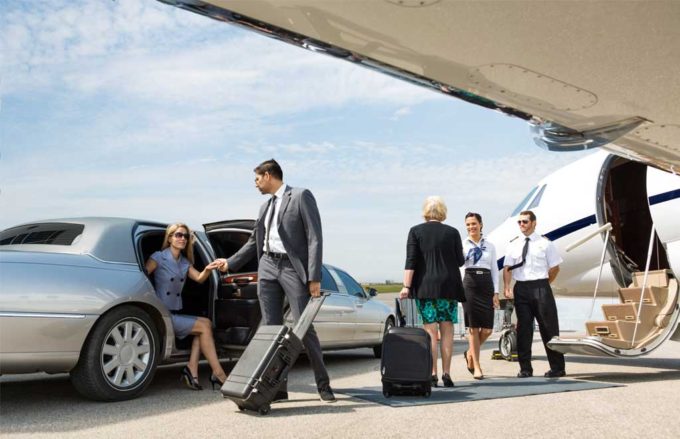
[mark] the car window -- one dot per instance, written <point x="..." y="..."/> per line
<point x="353" y="287"/>
<point x="327" y="282"/>
<point x="337" y="280"/>
<point x="537" y="198"/>
<point x="524" y="201"/>
<point x="42" y="233"/>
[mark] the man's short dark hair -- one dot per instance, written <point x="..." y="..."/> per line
<point x="531" y="215"/>
<point x="270" y="166"/>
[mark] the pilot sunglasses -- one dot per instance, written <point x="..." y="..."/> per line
<point x="523" y="221"/>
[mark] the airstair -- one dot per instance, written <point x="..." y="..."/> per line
<point x="647" y="315"/>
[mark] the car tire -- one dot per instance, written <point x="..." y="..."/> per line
<point x="377" y="350"/>
<point x="119" y="357"/>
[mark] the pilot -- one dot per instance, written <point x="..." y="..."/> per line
<point x="533" y="262"/>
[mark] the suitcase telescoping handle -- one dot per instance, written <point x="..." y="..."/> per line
<point x="308" y="315"/>
<point x="411" y="315"/>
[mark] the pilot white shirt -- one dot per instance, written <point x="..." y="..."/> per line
<point x="488" y="259"/>
<point x="275" y="243"/>
<point x="541" y="257"/>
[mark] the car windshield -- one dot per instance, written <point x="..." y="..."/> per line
<point x="43" y="233"/>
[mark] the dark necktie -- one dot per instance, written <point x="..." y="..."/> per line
<point x="525" y="250"/>
<point x="272" y="210"/>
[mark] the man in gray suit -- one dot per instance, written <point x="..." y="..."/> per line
<point x="288" y="243"/>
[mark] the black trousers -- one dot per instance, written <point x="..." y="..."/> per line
<point x="534" y="300"/>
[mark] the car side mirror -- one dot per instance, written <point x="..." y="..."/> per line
<point x="372" y="292"/>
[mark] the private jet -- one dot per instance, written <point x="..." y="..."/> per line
<point x="584" y="75"/>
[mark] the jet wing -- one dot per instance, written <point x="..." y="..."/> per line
<point x="583" y="73"/>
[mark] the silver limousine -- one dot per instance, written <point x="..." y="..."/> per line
<point x="74" y="297"/>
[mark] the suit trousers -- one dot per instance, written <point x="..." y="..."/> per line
<point x="534" y="300"/>
<point x="278" y="279"/>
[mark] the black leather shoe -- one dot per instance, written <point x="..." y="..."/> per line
<point x="554" y="374"/>
<point x="190" y="380"/>
<point x="280" y="396"/>
<point x="326" y="394"/>
<point x="434" y="380"/>
<point x="525" y="374"/>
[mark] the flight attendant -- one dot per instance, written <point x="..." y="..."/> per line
<point x="533" y="262"/>
<point x="481" y="290"/>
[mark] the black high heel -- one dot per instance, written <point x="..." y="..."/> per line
<point x="190" y="380"/>
<point x="446" y="379"/>
<point x="434" y="380"/>
<point x="214" y="381"/>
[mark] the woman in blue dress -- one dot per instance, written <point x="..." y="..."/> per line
<point x="433" y="254"/>
<point x="171" y="266"/>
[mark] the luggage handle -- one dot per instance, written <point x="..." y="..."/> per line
<point x="308" y="315"/>
<point x="410" y="320"/>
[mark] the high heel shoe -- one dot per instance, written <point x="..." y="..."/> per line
<point x="467" y="363"/>
<point x="214" y="381"/>
<point x="434" y="380"/>
<point x="190" y="380"/>
<point x="446" y="379"/>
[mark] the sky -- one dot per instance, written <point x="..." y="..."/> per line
<point x="133" y="108"/>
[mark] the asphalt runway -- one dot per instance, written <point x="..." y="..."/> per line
<point x="40" y="405"/>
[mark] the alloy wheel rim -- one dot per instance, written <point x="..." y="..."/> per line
<point x="126" y="354"/>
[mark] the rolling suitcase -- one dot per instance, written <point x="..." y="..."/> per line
<point x="406" y="364"/>
<point x="265" y="363"/>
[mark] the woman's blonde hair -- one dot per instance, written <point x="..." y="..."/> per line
<point x="434" y="208"/>
<point x="188" y="251"/>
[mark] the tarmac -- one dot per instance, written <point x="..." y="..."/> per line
<point x="646" y="404"/>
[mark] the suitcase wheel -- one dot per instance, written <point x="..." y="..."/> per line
<point x="264" y="409"/>
<point x="386" y="393"/>
<point x="240" y="408"/>
<point x="428" y="394"/>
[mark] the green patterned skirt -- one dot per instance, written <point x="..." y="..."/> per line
<point x="438" y="310"/>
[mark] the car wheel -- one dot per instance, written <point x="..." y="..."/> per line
<point x="377" y="350"/>
<point x="507" y="344"/>
<point x="119" y="358"/>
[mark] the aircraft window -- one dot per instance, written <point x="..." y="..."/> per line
<point x="526" y="199"/>
<point x="537" y="198"/>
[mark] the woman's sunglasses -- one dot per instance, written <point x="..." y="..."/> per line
<point x="179" y="235"/>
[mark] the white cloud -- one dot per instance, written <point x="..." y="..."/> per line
<point x="403" y="111"/>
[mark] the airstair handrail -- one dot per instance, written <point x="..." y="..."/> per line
<point x="644" y="283"/>
<point x="605" y="228"/>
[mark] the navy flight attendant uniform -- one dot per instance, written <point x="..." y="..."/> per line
<point x="533" y="296"/>
<point x="169" y="277"/>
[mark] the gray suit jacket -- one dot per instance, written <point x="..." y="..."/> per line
<point x="300" y="232"/>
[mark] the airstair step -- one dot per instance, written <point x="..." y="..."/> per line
<point x="628" y="312"/>
<point x="656" y="278"/>
<point x="618" y="333"/>
<point x="652" y="296"/>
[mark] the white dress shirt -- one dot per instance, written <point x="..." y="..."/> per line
<point x="275" y="243"/>
<point x="488" y="259"/>
<point x="541" y="257"/>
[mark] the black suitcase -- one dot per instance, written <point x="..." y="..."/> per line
<point x="265" y="363"/>
<point x="406" y="364"/>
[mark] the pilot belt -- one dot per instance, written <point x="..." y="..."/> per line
<point x="477" y="270"/>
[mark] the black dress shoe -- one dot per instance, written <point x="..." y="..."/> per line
<point x="554" y="374"/>
<point x="326" y="394"/>
<point x="525" y="374"/>
<point x="280" y="396"/>
<point x="434" y="380"/>
<point x="190" y="380"/>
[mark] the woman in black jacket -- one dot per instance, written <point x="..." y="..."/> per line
<point x="434" y="253"/>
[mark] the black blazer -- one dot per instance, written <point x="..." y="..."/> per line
<point x="435" y="252"/>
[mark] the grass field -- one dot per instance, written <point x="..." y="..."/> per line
<point x="385" y="288"/>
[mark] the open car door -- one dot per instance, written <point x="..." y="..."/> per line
<point x="237" y="311"/>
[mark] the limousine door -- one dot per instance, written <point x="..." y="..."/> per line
<point x="237" y="310"/>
